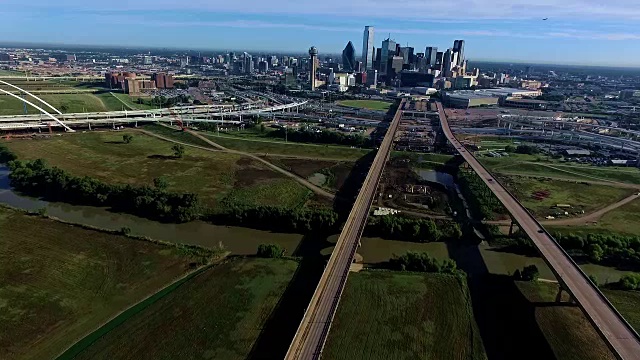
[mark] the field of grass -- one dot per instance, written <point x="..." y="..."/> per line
<point x="10" y="73"/>
<point x="395" y="315"/>
<point x="367" y="104"/>
<point x="565" y="328"/>
<point x="580" y="196"/>
<point x="66" y="103"/>
<point x="280" y="192"/>
<point x="264" y="146"/>
<point x="216" y="315"/>
<point x="111" y="103"/>
<point x="628" y="304"/>
<point x="624" y="220"/>
<point x="103" y="155"/>
<point x="130" y="102"/>
<point x="60" y="281"/>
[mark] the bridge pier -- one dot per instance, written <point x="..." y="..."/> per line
<point x="511" y="227"/>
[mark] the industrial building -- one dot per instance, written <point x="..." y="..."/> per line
<point x="469" y="99"/>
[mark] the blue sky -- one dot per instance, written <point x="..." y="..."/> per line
<point x="592" y="32"/>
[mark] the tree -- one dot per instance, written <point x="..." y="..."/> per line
<point x="161" y="183"/>
<point x="262" y="128"/>
<point x="530" y="273"/>
<point x="270" y="251"/>
<point x="178" y="150"/>
<point x="64" y="108"/>
<point x="510" y="148"/>
<point x="595" y="253"/>
<point x="127" y="138"/>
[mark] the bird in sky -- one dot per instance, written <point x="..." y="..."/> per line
<point x="545" y="19"/>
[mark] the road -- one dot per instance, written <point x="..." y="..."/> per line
<point x="314" y="327"/>
<point x="618" y="334"/>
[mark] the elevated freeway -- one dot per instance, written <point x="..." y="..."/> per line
<point x="617" y="333"/>
<point x="314" y="328"/>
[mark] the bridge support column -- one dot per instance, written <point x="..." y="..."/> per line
<point x="511" y="227"/>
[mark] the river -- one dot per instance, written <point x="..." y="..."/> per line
<point x="244" y="241"/>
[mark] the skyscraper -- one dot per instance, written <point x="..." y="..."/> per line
<point x="447" y="62"/>
<point x="388" y="51"/>
<point x="430" y="54"/>
<point x="407" y="55"/>
<point x="349" y="57"/>
<point x="367" y="48"/>
<point x="248" y="63"/>
<point x="313" y="66"/>
<point x="458" y="47"/>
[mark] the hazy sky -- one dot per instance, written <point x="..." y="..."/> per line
<point x="578" y="31"/>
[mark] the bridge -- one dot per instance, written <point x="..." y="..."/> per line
<point x="316" y="322"/>
<point x="613" y="328"/>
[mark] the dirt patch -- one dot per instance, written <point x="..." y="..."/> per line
<point x="252" y="172"/>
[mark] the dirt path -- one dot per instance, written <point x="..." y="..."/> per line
<point x="582" y="220"/>
<point x="316" y="189"/>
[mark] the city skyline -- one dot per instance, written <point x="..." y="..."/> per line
<point x="497" y="33"/>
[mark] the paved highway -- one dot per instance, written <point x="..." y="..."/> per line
<point x="314" y="328"/>
<point x="618" y="334"/>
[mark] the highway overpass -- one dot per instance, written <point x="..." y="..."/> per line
<point x="314" y="328"/>
<point x="618" y="334"/>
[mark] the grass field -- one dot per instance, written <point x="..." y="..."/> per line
<point x="111" y="103"/>
<point x="624" y="220"/>
<point x="628" y="304"/>
<point x="367" y="104"/>
<point x="217" y="315"/>
<point x="264" y="146"/>
<point x="567" y="331"/>
<point x="211" y="175"/>
<point x="130" y="102"/>
<point x="580" y="196"/>
<point x="60" y="281"/>
<point x="395" y="315"/>
<point x="66" y="103"/>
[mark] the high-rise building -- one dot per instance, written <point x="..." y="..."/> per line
<point x="372" y="77"/>
<point x="263" y="66"/>
<point x="247" y="66"/>
<point x="388" y="51"/>
<point x="430" y="55"/>
<point x="147" y="60"/>
<point x="349" y="57"/>
<point x="313" y="66"/>
<point x="447" y="62"/>
<point x="368" y="48"/>
<point x="407" y="55"/>
<point x="458" y="48"/>
<point x="162" y="80"/>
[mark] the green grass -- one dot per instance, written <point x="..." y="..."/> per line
<point x="66" y="103"/>
<point x="217" y="315"/>
<point x="367" y="104"/>
<point x="580" y="196"/>
<point x="210" y="174"/>
<point x="11" y="73"/>
<point x="130" y="103"/>
<point x="395" y="315"/>
<point x="177" y="135"/>
<point x="281" y="192"/>
<point x="628" y="304"/>
<point x="60" y="281"/>
<point x="111" y="103"/>
<point x="624" y="220"/>
<point x="565" y="328"/>
<point x="260" y="146"/>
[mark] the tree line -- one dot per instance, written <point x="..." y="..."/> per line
<point x="416" y="230"/>
<point x="277" y="218"/>
<point x="51" y="183"/>
<point x="422" y="262"/>
<point x="610" y="249"/>
<point x="323" y="137"/>
<point x="481" y="200"/>
<point x="6" y="155"/>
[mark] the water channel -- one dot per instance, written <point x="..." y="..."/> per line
<point x="244" y="241"/>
